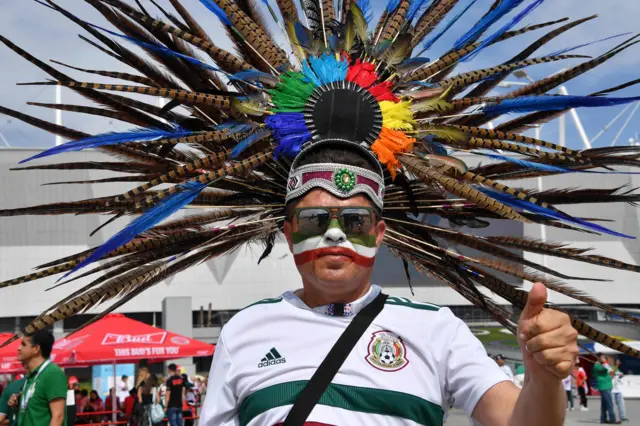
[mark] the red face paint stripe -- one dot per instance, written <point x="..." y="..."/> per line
<point x="311" y="255"/>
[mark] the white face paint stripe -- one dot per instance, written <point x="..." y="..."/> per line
<point x="315" y="243"/>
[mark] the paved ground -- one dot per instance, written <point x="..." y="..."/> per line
<point x="574" y="418"/>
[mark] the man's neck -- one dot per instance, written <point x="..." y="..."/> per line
<point x="314" y="298"/>
<point x="34" y="363"/>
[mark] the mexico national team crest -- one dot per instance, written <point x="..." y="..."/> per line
<point x="387" y="351"/>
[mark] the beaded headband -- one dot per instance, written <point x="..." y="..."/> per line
<point x="341" y="180"/>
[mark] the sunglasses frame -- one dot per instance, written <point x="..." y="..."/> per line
<point x="335" y="211"/>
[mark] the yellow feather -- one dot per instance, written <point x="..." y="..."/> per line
<point x="397" y="116"/>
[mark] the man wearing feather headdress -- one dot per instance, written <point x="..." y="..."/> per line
<point x="413" y="357"/>
<point x="365" y="124"/>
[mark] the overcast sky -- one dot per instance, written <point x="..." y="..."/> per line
<point x="48" y="35"/>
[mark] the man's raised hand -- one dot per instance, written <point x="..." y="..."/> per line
<point x="548" y="341"/>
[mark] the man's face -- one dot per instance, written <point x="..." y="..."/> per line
<point x="500" y="362"/>
<point x="327" y="254"/>
<point x="26" y="350"/>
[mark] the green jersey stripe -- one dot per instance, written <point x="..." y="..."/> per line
<point x="401" y="301"/>
<point x="352" y="398"/>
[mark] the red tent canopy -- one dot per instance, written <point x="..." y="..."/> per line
<point x="116" y="338"/>
<point x="9" y="355"/>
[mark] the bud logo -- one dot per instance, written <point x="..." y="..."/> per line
<point x="118" y="339"/>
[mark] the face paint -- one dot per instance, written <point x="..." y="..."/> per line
<point x="361" y="249"/>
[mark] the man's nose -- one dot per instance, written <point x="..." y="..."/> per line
<point x="334" y="236"/>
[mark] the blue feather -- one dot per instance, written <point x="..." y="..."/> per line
<point x="104" y="139"/>
<point x="167" y="207"/>
<point x="234" y="127"/>
<point x="291" y="132"/>
<point x="552" y="103"/>
<point x="255" y="76"/>
<point x="430" y="41"/>
<point x="488" y="20"/>
<point x="508" y="26"/>
<point x="367" y="10"/>
<point x="310" y="74"/>
<point x="570" y="49"/>
<point x="548" y="168"/>
<point x="411" y="64"/>
<point x="328" y="69"/>
<point x="248" y="141"/>
<point x="553" y="214"/>
<point x="160" y="49"/>
<point x="392" y="5"/>
<point x="417" y="6"/>
<point x="304" y="35"/>
<point x="525" y="163"/>
<point x="217" y="10"/>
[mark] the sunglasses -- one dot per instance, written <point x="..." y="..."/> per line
<point x="354" y="221"/>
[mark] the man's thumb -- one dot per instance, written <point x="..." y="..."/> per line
<point x="535" y="302"/>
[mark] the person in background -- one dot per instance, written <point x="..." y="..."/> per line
<point x="43" y="397"/>
<point x="174" y="396"/>
<point x="581" y="384"/>
<point x="146" y="392"/>
<point x="162" y="390"/>
<point x="96" y="406"/>
<point x="504" y="367"/>
<point x="7" y="413"/>
<point x="566" y="383"/>
<point x="618" y="398"/>
<point x="604" y="384"/>
<point x="143" y="375"/>
<point x="123" y="388"/>
<point x="518" y="379"/>
<point x="83" y="403"/>
<point x="71" y="399"/>
<point x="129" y="405"/>
<point x="109" y="406"/>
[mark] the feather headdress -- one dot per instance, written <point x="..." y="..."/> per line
<point x="246" y="114"/>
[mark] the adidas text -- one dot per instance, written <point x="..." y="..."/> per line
<point x="272" y="362"/>
<point x="272" y="357"/>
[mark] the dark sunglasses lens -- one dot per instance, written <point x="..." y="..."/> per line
<point x="313" y="221"/>
<point x="355" y="221"/>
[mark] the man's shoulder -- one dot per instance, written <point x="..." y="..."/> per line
<point x="16" y="385"/>
<point x="53" y="370"/>
<point x="404" y="303"/>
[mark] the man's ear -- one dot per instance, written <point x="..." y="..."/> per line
<point x="288" y="234"/>
<point x="381" y="227"/>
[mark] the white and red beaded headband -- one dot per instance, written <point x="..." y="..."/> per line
<point x="341" y="180"/>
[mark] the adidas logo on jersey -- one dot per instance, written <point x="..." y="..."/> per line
<point x="272" y="357"/>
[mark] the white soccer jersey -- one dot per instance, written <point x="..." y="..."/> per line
<point x="412" y="360"/>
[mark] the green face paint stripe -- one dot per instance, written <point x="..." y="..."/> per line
<point x="352" y="398"/>
<point x="334" y="223"/>
<point x="363" y="240"/>
<point x="298" y="237"/>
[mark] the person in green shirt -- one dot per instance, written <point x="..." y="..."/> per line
<point x="7" y="413"/>
<point x="43" y="397"/>
<point x="604" y="384"/>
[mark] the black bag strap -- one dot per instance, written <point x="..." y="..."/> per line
<point x="323" y="376"/>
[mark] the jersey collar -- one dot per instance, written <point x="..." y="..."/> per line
<point x="335" y="309"/>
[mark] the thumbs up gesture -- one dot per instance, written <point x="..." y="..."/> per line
<point x="548" y="342"/>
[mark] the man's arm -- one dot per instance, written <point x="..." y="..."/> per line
<point x="57" y="408"/>
<point x="549" y="347"/>
<point x="220" y="406"/>
<point x="167" y="395"/>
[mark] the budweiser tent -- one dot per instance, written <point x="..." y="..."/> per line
<point x="9" y="363"/>
<point x="118" y="339"/>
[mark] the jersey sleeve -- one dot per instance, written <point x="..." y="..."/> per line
<point x="220" y="406"/>
<point x="56" y="385"/>
<point x="468" y="370"/>
<point x="4" y="401"/>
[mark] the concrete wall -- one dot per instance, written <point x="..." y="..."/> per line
<point x="234" y="281"/>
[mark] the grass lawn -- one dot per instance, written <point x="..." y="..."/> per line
<point x="494" y="336"/>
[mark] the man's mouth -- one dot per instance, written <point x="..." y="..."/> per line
<point x="334" y="251"/>
<point x="311" y="255"/>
